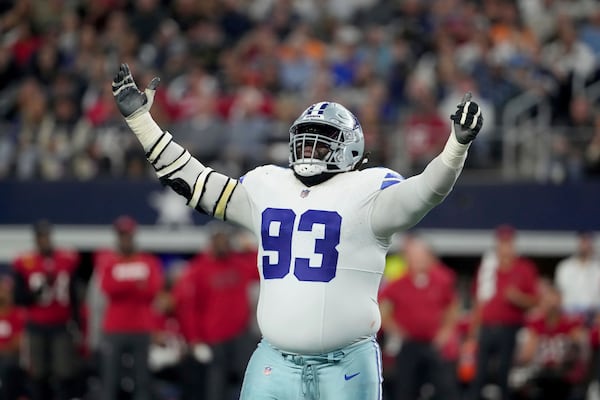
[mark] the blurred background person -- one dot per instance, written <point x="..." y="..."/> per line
<point x="505" y="290"/>
<point x="213" y="298"/>
<point x="45" y="286"/>
<point x="12" y="320"/>
<point x="94" y="308"/>
<point x="554" y="351"/>
<point x="419" y="315"/>
<point x="577" y="277"/>
<point x="130" y="280"/>
<point x="167" y="346"/>
<point x="186" y="307"/>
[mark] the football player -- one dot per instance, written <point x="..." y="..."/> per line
<point x="323" y="228"/>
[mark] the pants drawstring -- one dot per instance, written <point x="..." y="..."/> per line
<point x="309" y="376"/>
<point x="310" y="382"/>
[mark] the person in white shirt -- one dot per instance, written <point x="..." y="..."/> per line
<point x="578" y="278"/>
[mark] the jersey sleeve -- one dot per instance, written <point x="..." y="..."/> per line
<point x="205" y="190"/>
<point x="400" y="206"/>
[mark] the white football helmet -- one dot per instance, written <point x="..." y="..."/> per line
<point x="326" y="137"/>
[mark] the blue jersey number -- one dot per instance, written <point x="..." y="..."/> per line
<point x="277" y="231"/>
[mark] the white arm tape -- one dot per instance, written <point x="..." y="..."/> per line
<point x="145" y="128"/>
<point x="454" y="153"/>
<point x="175" y="165"/>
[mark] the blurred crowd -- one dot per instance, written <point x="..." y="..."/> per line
<point x="236" y="73"/>
<point x="145" y="326"/>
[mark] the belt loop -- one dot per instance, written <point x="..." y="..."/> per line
<point x="335" y="356"/>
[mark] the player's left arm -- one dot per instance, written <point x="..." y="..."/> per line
<point x="401" y="206"/>
<point x="206" y="190"/>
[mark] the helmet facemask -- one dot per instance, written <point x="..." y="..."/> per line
<point x="314" y="147"/>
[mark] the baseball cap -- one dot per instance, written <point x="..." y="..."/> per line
<point x="125" y="224"/>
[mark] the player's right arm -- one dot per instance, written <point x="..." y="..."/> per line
<point x="205" y="189"/>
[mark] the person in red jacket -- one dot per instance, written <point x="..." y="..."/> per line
<point x="419" y="315"/>
<point x="505" y="290"/>
<point x="45" y="287"/>
<point x="213" y="304"/>
<point x="130" y="280"/>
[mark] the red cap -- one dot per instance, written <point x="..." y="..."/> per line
<point x="125" y="224"/>
<point x="505" y="231"/>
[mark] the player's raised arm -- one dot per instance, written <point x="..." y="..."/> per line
<point x="205" y="190"/>
<point x="401" y="206"/>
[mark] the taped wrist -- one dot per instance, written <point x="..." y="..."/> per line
<point x="145" y="128"/>
<point x="454" y="153"/>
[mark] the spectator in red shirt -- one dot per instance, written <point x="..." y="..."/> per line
<point x="423" y="126"/>
<point x="419" y="315"/>
<point x="193" y="369"/>
<point x="130" y="280"/>
<point x="45" y="287"/>
<point x="12" y="321"/>
<point x="505" y="290"/>
<point x="212" y="301"/>
<point x="555" y="349"/>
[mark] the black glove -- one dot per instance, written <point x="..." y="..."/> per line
<point x="130" y="100"/>
<point x="467" y="120"/>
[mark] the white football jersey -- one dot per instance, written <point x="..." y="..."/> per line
<point x="319" y="260"/>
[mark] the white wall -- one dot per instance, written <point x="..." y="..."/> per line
<point x="15" y="239"/>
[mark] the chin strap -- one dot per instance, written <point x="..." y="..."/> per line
<point x="315" y="179"/>
<point x="323" y="176"/>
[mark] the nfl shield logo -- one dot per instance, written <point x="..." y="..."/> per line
<point x="267" y="371"/>
<point x="304" y="193"/>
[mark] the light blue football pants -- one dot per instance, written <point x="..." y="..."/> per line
<point x="351" y="373"/>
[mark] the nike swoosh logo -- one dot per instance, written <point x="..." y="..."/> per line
<point x="348" y="377"/>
